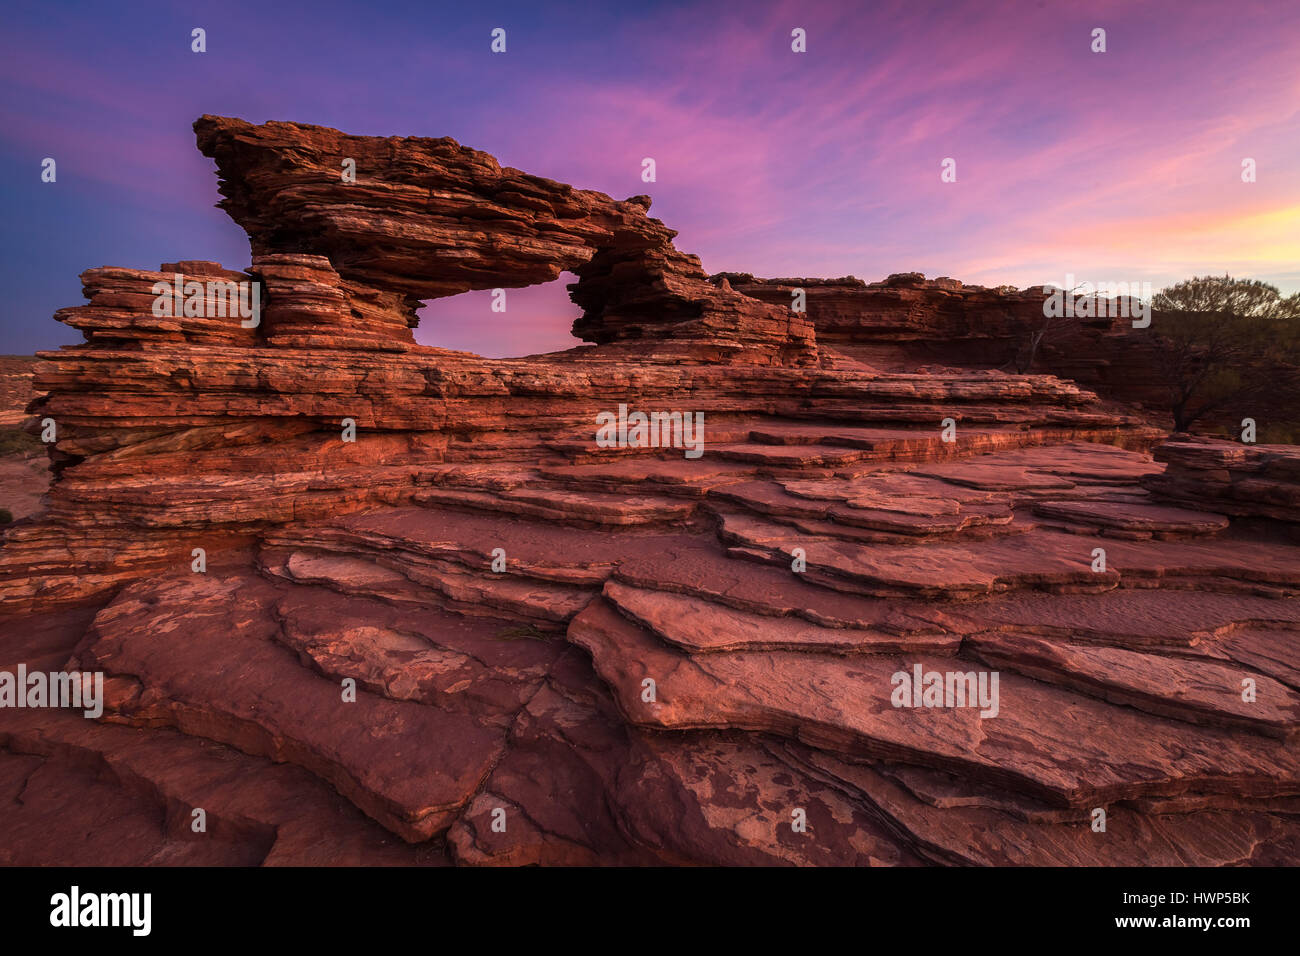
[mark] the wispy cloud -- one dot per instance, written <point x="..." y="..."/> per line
<point x="825" y="162"/>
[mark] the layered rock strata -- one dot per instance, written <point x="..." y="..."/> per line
<point x="906" y="321"/>
<point x="477" y="635"/>
<point x="184" y="432"/>
<point x="1232" y="478"/>
<point x="425" y="218"/>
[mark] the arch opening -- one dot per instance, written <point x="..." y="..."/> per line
<point x="536" y="319"/>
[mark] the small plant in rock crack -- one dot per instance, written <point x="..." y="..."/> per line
<point x="523" y="632"/>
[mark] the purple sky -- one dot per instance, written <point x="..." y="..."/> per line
<point x="1119" y="166"/>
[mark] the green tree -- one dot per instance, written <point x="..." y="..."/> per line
<point x="1226" y="344"/>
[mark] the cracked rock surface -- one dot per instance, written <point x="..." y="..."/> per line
<point x="476" y="635"/>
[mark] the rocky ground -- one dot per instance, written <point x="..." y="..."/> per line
<point x="16" y="372"/>
<point x="24" y="464"/>
<point x="475" y="635"/>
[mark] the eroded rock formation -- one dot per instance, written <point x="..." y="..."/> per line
<point x="907" y="320"/>
<point x="427" y="218"/>
<point x="500" y="587"/>
<point x="1236" y="479"/>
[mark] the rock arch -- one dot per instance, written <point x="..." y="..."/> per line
<point x="428" y="218"/>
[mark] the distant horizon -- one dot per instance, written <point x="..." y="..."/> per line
<point x="1115" y="166"/>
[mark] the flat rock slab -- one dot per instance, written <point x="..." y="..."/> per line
<point x="409" y="766"/>
<point x="698" y="626"/>
<point x="574" y="507"/>
<point x="982" y="836"/>
<point x="1138" y="618"/>
<point x="700" y="567"/>
<point x="406" y="578"/>
<point x="1202" y="691"/>
<point x="1046" y="468"/>
<point x="727" y="801"/>
<point x="542" y="549"/>
<point x="681" y="475"/>
<point x="1043" y="558"/>
<point x="1044" y="741"/>
<point x="478" y="667"/>
<point x="1271" y="650"/>
<point x="1151" y="518"/>
<point x="129" y="793"/>
<point x="553" y="783"/>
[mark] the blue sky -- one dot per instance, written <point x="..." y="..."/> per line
<point x="1120" y="166"/>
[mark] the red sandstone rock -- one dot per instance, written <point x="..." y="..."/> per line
<point x="906" y="322"/>
<point x="428" y="218"/>
<point x="1233" y="478"/>
<point x="499" y="586"/>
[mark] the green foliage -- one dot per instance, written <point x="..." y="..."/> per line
<point x="523" y="632"/>
<point x="6" y="516"/>
<point x="1229" y="345"/>
<point x="1283" y="433"/>
<point x="15" y="441"/>
<point x="1225" y="295"/>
